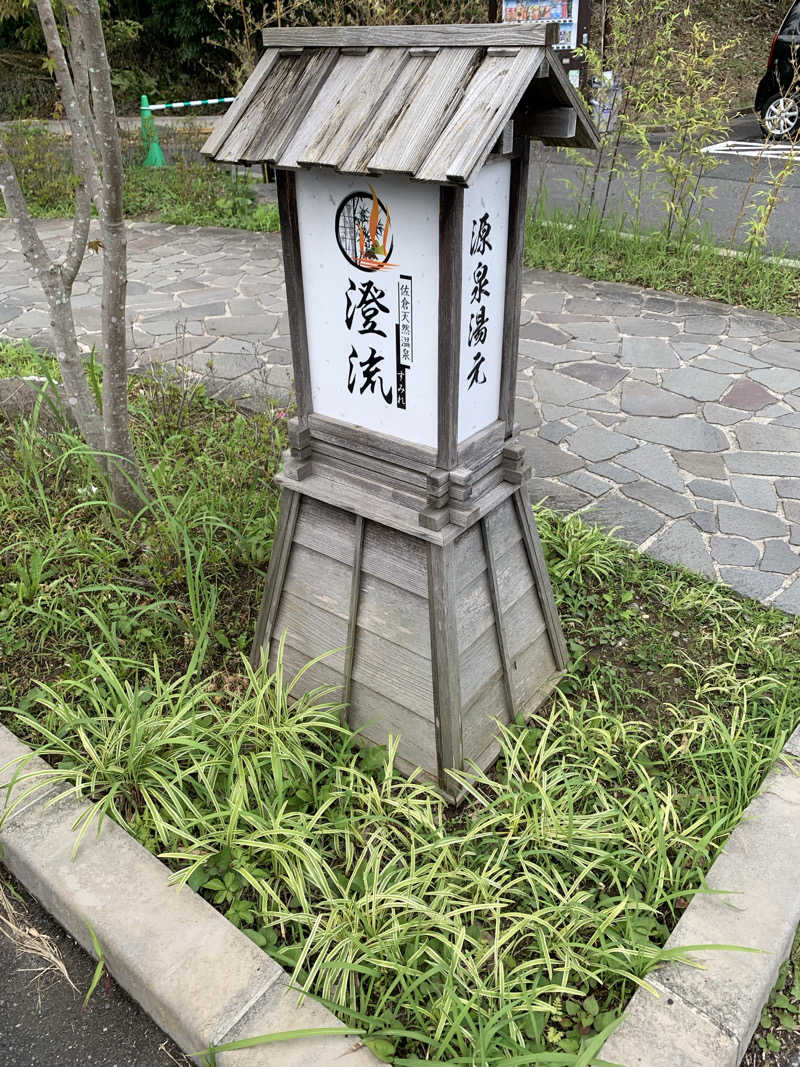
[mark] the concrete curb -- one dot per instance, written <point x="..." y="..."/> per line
<point x="705" y="1016"/>
<point x="202" y="980"/>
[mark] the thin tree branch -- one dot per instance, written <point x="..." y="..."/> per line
<point x="81" y="140"/>
<point x="32" y="246"/>
<point x="80" y="235"/>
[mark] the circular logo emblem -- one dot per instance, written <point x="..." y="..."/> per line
<point x="363" y="231"/>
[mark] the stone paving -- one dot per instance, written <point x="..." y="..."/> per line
<point x="673" y="421"/>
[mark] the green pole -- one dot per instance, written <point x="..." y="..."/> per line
<point x="154" y="157"/>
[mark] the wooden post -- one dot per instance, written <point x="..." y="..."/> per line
<point x="444" y="661"/>
<point x="295" y="298"/>
<point x="451" y="219"/>
<point x="278" y="562"/>
<point x="518" y="202"/>
<point x="352" y="622"/>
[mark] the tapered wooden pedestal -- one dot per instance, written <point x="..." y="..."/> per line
<point x="435" y="634"/>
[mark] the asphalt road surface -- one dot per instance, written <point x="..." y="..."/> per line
<point x="43" y="1022"/>
<point x="735" y="180"/>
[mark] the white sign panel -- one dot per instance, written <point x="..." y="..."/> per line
<point x="483" y="271"/>
<point x="370" y="256"/>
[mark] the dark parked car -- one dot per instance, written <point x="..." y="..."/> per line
<point x="778" y="93"/>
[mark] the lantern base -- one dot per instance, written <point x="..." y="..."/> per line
<point x="436" y="634"/>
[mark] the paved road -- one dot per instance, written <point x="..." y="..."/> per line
<point x="43" y="1023"/>
<point x="734" y="180"/>
<point x="674" y="421"/>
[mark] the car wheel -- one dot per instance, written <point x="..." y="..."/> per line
<point x="780" y="117"/>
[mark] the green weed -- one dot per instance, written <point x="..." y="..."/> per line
<point x="189" y="192"/>
<point x="616" y="250"/>
<point x="508" y="931"/>
<point x="21" y="359"/>
<point x="780" y="1017"/>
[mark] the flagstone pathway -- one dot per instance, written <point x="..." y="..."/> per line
<point x="674" y="421"/>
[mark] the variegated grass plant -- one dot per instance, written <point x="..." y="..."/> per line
<point x="508" y="931"/>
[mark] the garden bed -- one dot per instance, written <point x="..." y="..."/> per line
<point x="509" y="931"/>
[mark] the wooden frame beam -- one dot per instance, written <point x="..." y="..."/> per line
<point x="352" y="620"/>
<point x="554" y="123"/>
<point x="518" y="202"/>
<point x="276" y="573"/>
<point x="444" y="662"/>
<point x="451" y="223"/>
<point x="295" y="301"/>
<point x="533" y="549"/>
<point x="476" y="35"/>
<point x="494" y="593"/>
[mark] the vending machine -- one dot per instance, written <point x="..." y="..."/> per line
<point x="573" y="18"/>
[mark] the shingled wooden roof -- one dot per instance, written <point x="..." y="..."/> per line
<point x="425" y="101"/>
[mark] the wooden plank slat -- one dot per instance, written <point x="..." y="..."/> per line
<point x="586" y="135"/>
<point x="314" y="676"/>
<point x="394" y="614"/>
<point x="386" y="608"/>
<point x="523" y="616"/>
<point x="316" y="110"/>
<point x="481" y="445"/>
<point x="276" y="572"/>
<point x="518" y="200"/>
<point x="350" y="111"/>
<point x="502" y="640"/>
<point x="445" y="661"/>
<point x="352" y="621"/>
<point x="533" y="547"/>
<point x="473" y="608"/>
<point x="481" y="664"/>
<point x="226" y="123"/>
<point x="360" y="502"/>
<point x="396" y="558"/>
<point x="474" y="35"/>
<point x="359" y="479"/>
<point x="382" y="118"/>
<point x="377" y="718"/>
<point x="395" y="672"/>
<point x="304" y="79"/>
<point x="389" y="472"/>
<point x="513" y="574"/>
<point x="470" y="560"/>
<point x="451" y="214"/>
<point x="270" y="101"/>
<point x="480" y="725"/>
<point x="426" y="112"/>
<point x="556" y="123"/>
<point x="318" y="579"/>
<point x="325" y="529"/>
<point x="295" y="300"/>
<point x="487" y="104"/>
<point x="312" y="631"/>
<point x="371" y="443"/>
<point x="374" y="716"/>
<point x="523" y="621"/>
<point x="533" y="673"/>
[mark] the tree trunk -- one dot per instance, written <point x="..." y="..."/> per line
<point x="57" y="283"/>
<point x="124" y="468"/>
<point x="85" y="87"/>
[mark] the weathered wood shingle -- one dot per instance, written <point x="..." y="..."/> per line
<point x="425" y="101"/>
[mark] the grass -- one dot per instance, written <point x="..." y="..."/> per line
<point x="777" y="1038"/>
<point x="612" y="250"/>
<point x="509" y="931"/>
<point x="21" y="359"/>
<point x="189" y="192"/>
<point x="195" y="194"/>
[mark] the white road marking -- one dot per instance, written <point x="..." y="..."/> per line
<point x="752" y="149"/>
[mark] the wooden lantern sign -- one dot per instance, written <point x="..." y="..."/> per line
<point x="405" y="539"/>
